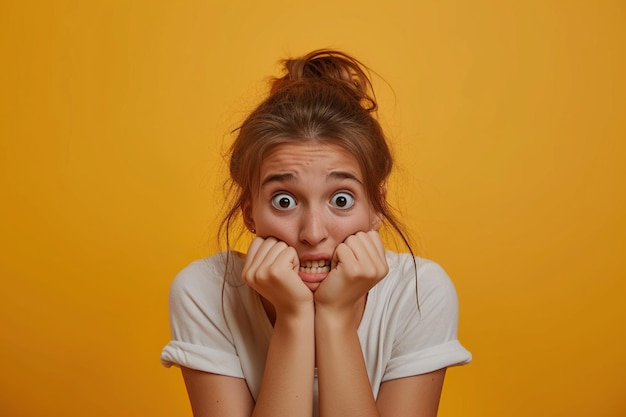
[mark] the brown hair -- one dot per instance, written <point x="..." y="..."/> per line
<point x="324" y="97"/>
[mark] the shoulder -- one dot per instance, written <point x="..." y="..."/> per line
<point x="409" y="272"/>
<point x="199" y="310"/>
<point x="206" y="276"/>
<point x="417" y="289"/>
<point x="420" y="303"/>
<point x="223" y="265"/>
<point x="414" y="311"/>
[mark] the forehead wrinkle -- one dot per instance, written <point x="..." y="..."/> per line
<point x="288" y="162"/>
<point x="289" y="177"/>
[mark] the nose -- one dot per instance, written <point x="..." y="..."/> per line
<point x="313" y="228"/>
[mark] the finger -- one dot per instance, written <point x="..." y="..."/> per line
<point x="371" y="261"/>
<point x="358" y="246"/>
<point x="375" y="237"/>
<point x="268" y="261"/>
<point x="253" y="248"/>
<point x="343" y="254"/>
<point x="272" y="253"/>
<point x="252" y="251"/>
<point x="257" y="253"/>
<point x="375" y="247"/>
<point x="288" y="256"/>
<point x="358" y="243"/>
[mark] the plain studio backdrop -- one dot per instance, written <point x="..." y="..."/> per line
<point x="507" y="120"/>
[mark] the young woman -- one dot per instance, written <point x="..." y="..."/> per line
<point x="316" y="318"/>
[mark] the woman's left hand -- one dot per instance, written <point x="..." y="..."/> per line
<point x="358" y="264"/>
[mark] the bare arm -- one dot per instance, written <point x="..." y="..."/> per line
<point x="214" y="395"/>
<point x="344" y="386"/>
<point x="287" y="387"/>
<point x="415" y="396"/>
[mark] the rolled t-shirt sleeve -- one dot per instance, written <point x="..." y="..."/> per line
<point x="201" y="339"/>
<point x="426" y="336"/>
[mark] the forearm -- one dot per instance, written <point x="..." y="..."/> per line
<point x="344" y="387"/>
<point x="287" y="387"/>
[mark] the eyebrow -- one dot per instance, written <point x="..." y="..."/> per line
<point x="289" y="177"/>
<point x="285" y="177"/>
<point x="343" y="175"/>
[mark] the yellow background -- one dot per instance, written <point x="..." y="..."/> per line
<point x="507" y="118"/>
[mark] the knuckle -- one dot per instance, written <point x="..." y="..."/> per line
<point x="372" y="273"/>
<point x="273" y="270"/>
<point x="350" y="238"/>
<point x="247" y="277"/>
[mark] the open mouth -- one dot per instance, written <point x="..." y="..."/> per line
<point x="321" y="266"/>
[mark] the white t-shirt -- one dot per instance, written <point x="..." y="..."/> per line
<point x="223" y="329"/>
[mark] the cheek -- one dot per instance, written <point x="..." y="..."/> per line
<point x="345" y="227"/>
<point x="274" y="226"/>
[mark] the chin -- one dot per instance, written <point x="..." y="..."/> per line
<point x="312" y="285"/>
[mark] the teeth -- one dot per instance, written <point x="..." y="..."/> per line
<point x="315" y="267"/>
<point x="314" y="264"/>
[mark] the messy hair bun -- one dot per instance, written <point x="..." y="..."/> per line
<point x="330" y="66"/>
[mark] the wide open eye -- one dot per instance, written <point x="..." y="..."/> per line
<point x="342" y="200"/>
<point x="283" y="201"/>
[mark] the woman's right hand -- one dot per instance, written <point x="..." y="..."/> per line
<point x="271" y="268"/>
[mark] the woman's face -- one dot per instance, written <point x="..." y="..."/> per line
<point x="311" y="197"/>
